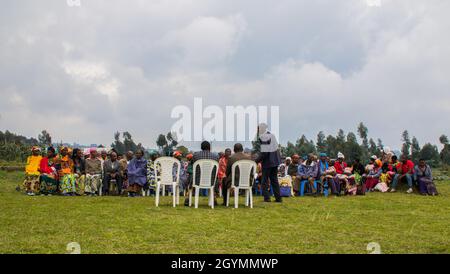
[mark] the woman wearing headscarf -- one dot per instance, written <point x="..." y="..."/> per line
<point x="79" y="171"/>
<point x="66" y="175"/>
<point x="372" y="179"/>
<point x="340" y="165"/>
<point x="137" y="173"/>
<point x="49" y="173"/>
<point x="32" y="173"/>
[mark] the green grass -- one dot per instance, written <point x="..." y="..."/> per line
<point x="400" y="223"/>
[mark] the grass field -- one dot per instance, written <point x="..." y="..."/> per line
<point x="400" y="223"/>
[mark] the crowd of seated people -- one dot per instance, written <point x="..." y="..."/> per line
<point x="99" y="172"/>
<point x="322" y="175"/>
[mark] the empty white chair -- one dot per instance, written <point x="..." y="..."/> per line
<point x="208" y="177"/>
<point x="166" y="177"/>
<point x="246" y="170"/>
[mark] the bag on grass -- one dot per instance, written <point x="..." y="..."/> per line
<point x="431" y="187"/>
<point x="285" y="191"/>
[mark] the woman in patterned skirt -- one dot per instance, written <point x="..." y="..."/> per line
<point x="66" y="176"/>
<point x="32" y="174"/>
<point x="79" y="170"/>
<point x="49" y="175"/>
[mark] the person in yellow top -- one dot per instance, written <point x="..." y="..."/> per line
<point x="32" y="173"/>
<point x="67" y="180"/>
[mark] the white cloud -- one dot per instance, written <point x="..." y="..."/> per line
<point x="373" y="3"/>
<point x="108" y="66"/>
<point x="206" y="40"/>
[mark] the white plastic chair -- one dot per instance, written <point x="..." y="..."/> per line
<point x="245" y="177"/>
<point x="206" y="175"/>
<point x="166" y="178"/>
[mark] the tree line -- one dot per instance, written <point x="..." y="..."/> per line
<point x="14" y="147"/>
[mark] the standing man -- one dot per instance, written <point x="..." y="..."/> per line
<point x="270" y="159"/>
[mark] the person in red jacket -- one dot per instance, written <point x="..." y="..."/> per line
<point x="405" y="169"/>
<point x="340" y="164"/>
<point x="49" y="174"/>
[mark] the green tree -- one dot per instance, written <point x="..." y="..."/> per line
<point x="118" y="145"/>
<point x="406" y="147"/>
<point x="352" y="150"/>
<point x="430" y="154"/>
<point x="445" y="152"/>
<point x="340" y="141"/>
<point x="321" y="142"/>
<point x="166" y="143"/>
<point x="128" y="142"/>
<point x="331" y="146"/>
<point x="373" y="149"/>
<point x="45" y="139"/>
<point x="363" y="134"/>
<point x="415" y="149"/>
<point x="184" y="150"/>
<point x="380" y="145"/>
<point x="303" y="146"/>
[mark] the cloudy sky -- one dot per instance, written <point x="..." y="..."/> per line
<point x="83" y="72"/>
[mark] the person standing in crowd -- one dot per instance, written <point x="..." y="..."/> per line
<point x="32" y="173"/>
<point x="237" y="156"/>
<point x="424" y="178"/>
<point x="112" y="172"/>
<point x="221" y="175"/>
<point x="66" y="176"/>
<point x="205" y="154"/>
<point x="270" y="159"/>
<point x="49" y="179"/>
<point x="93" y="174"/>
<point x="405" y="170"/>
<point x="79" y="171"/>
<point x="137" y="174"/>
